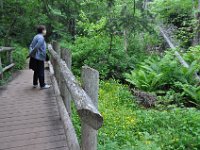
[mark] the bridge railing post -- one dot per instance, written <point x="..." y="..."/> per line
<point x="56" y="47"/>
<point x="67" y="57"/>
<point x="1" y="69"/>
<point x="90" y="83"/>
<point x="10" y="58"/>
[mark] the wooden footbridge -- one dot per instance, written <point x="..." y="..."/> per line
<point x="34" y="119"/>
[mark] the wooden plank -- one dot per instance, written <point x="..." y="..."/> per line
<point x="5" y="103"/>
<point x="50" y="121"/>
<point x="27" y="108"/>
<point x="84" y="105"/>
<point x="34" y="129"/>
<point x="27" y="112"/>
<point x="28" y="121"/>
<point x="33" y="102"/>
<point x="35" y="141"/>
<point x="4" y="49"/>
<point x="25" y="98"/>
<point x="23" y="120"/>
<point x="28" y="117"/>
<point x="33" y="135"/>
<point x="43" y="146"/>
<point x="13" y="115"/>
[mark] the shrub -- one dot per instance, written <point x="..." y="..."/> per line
<point x="128" y="127"/>
<point x="161" y="74"/>
<point x="95" y="53"/>
<point x="20" y="56"/>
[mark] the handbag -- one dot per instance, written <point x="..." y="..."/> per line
<point x="47" y="57"/>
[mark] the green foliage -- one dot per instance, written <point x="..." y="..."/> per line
<point x="20" y="56"/>
<point x="191" y="91"/>
<point x="193" y="54"/>
<point x="169" y="10"/>
<point x="179" y="13"/>
<point x="162" y="74"/>
<point x="128" y="127"/>
<point x="171" y="129"/>
<point x="95" y="53"/>
<point x="116" y="104"/>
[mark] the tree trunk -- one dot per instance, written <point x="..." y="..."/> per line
<point x="177" y="54"/>
<point x="125" y="40"/>
<point x="72" y="28"/>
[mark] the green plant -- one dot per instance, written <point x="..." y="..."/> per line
<point x="129" y="127"/>
<point x="156" y="73"/>
<point x="95" y="52"/>
<point x="20" y="56"/>
<point x="191" y="91"/>
<point x="160" y="75"/>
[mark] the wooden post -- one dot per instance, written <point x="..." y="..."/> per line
<point x="10" y="58"/>
<point x="90" y="81"/>
<point x="1" y="69"/>
<point x="67" y="57"/>
<point x="56" y="47"/>
<point x="85" y="107"/>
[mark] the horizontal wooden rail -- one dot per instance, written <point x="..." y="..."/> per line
<point x="87" y="111"/>
<point x="8" y="50"/>
<point x="8" y="67"/>
<point x="85" y="97"/>
<point x="4" y="49"/>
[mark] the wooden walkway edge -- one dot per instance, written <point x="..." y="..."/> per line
<point x="29" y="118"/>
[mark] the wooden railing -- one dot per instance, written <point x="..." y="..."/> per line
<point x="8" y="51"/>
<point x="85" y="98"/>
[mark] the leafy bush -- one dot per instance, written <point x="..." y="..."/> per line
<point x="150" y="129"/>
<point x="179" y="13"/>
<point x="170" y="10"/>
<point x="95" y="53"/>
<point x="176" y="128"/>
<point x="20" y="56"/>
<point x="191" y="91"/>
<point x="161" y="74"/>
<point x="128" y="127"/>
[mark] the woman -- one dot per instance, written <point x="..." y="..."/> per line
<point x="38" y="57"/>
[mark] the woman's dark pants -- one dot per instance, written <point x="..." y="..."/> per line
<point x="38" y="68"/>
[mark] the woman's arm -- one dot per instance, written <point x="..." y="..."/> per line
<point x="37" y="46"/>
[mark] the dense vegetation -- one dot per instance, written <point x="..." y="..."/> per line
<point x="148" y="98"/>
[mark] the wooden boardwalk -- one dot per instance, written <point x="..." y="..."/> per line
<point x="29" y="118"/>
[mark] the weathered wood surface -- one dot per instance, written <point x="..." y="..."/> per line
<point x="7" y="67"/>
<point x="4" y="49"/>
<point x="84" y="105"/>
<point x="29" y="118"/>
<point x="66" y="55"/>
<point x="70" y="133"/>
<point x="8" y="51"/>
<point x="90" y="83"/>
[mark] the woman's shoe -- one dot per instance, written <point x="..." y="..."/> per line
<point x="46" y="86"/>
<point x="35" y="86"/>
